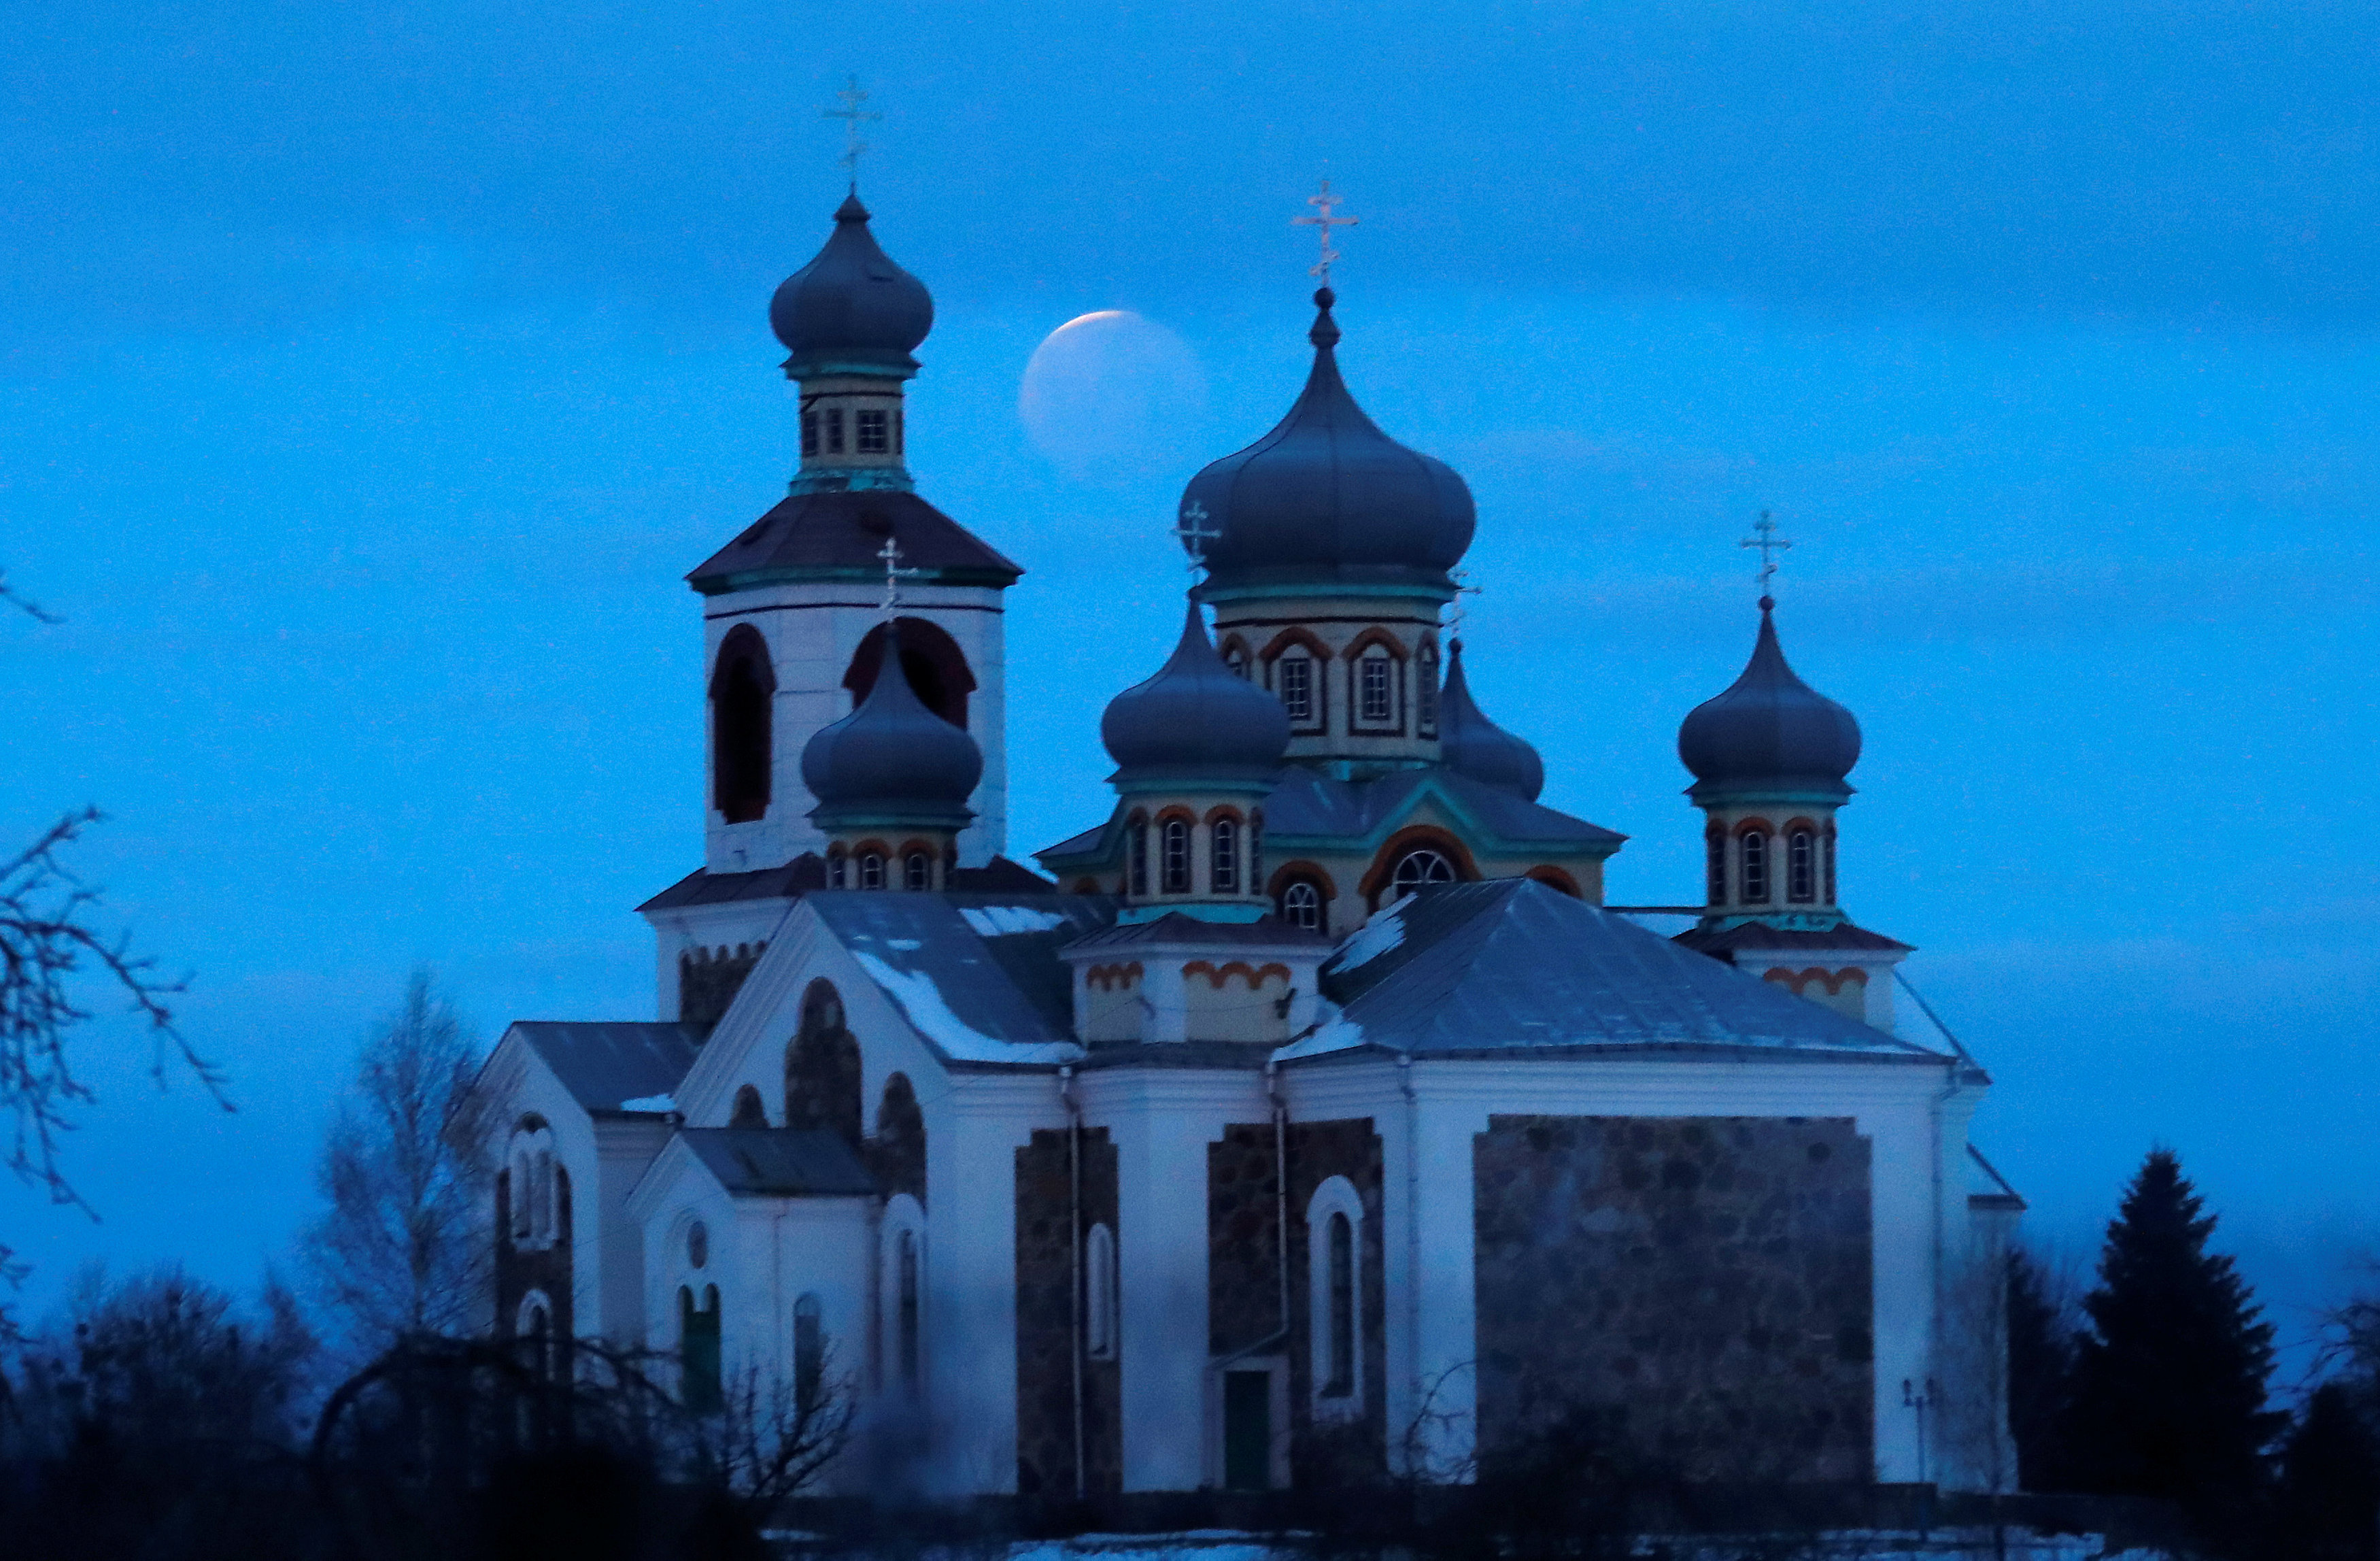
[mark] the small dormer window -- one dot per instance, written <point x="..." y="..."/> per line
<point x="1802" y="867"/>
<point x="1754" y="873"/>
<point x="869" y="433"/>
<point x="917" y="871"/>
<point x="1421" y="866"/>
<point x="833" y="416"/>
<point x="1177" y="856"/>
<point x="1300" y="905"/>
<point x="809" y="434"/>
<point x="1223" y="872"/>
<point x="1297" y="688"/>
<point x="871" y="870"/>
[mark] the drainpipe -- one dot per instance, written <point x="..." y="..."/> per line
<point x="1074" y="1234"/>
<point x="1941" y="1241"/>
<point x="1413" y="1251"/>
<point x="1280" y="1187"/>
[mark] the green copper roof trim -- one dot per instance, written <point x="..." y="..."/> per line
<point x="852" y="480"/>
<point x="1217" y="595"/>
<point x="752" y="580"/>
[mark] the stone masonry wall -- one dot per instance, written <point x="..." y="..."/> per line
<point x="1044" y="1323"/>
<point x="1696" y="1289"/>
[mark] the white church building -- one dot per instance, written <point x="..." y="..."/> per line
<point x="1306" y="1117"/>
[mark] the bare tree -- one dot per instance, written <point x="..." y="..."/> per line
<point x="772" y="1438"/>
<point x="403" y="1249"/>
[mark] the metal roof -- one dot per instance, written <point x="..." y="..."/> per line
<point x="807" y="871"/>
<point x="780" y="1162"/>
<point x="605" y="1063"/>
<point x="836" y="535"/>
<point x="1306" y="803"/>
<point x="1512" y="965"/>
<point x="1759" y="935"/>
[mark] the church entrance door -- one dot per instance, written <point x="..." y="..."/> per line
<point x="1247" y="1431"/>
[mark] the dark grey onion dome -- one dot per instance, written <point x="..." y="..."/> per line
<point x="1195" y="720"/>
<point x="851" y="311"/>
<point x="892" y="760"/>
<point x="1770" y="735"/>
<point x="1469" y="744"/>
<point x="1327" y="498"/>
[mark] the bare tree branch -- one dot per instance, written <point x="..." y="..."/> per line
<point x="26" y="604"/>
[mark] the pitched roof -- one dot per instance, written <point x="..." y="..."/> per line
<point x="780" y="1162"/>
<point x="807" y="871"/>
<point x="977" y="976"/>
<point x="1986" y="1188"/>
<point x="1306" y="803"/>
<point x="1510" y="965"/>
<point x="827" y="536"/>
<point x="1759" y="934"/>
<point x="605" y="1064"/>
<point x="1268" y="931"/>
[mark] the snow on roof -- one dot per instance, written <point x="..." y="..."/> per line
<point x="1384" y="932"/>
<point x="612" y="1066"/>
<point x="1004" y="920"/>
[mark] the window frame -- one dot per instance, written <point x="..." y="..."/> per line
<point x="871" y="423"/>
<point x="1175" y="865"/>
<point x="1100" y="1309"/>
<point x="1802" y="867"/>
<point x="1400" y="885"/>
<point x="917" y="871"/>
<point x="871" y="870"/>
<point x="1282" y="904"/>
<point x="1223" y="856"/>
<point x="1752" y="867"/>
<point x="1425" y="688"/>
<point x="1317" y="716"/>
<point x="1334" y="1398"/>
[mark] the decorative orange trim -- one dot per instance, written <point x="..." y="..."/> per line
<point x="1373" y="636"/>
<point x="1086" y="886"/>
<point x="1714" y="830"/>
<point x="1792" y="825"/>
<point x="913" y="844"/>
<point x="1216" y="977"/>
<point x="1294" y="636"/>
<point x="1175" y="810"/>
<point x="1233" y="642"/>
<point x="1555" y="878"/>
<point x="1834" y="982"/>
<point x="1289" y="872"/>
<point x="1223" y="810"/>
<point x="1755" y="826"/>
<point x="1108" y="977"/>
<point x="871" y="843"/>
<point x="1376" y="877"/>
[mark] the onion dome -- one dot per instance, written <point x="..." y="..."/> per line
<point x="1771" y="734"/>
<point x="892" y="760"/>
<point x="1195" y="720"/>
<point x="851" y="311"/>
<point x="1327" y="498"/>
<point x="1469" y="744"/>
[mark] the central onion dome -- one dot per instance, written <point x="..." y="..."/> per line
<point x="1195" y="720"/>
<point x="892" y="760"/>
<point x="851" y="311"/>
<point x="1326" y="498"/>
<point x="1469" y="744"/>
<point x="1769" y="734"/>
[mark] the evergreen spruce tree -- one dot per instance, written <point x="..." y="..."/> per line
<point x="2327" y="1505"/>
<point x="2169" y="1377"/>
<point x="2040" y="1375"/>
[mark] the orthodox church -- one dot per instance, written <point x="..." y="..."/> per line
<point x="1306" y="1117"/>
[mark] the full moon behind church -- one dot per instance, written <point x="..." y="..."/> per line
<point x="1304" y="1118"/>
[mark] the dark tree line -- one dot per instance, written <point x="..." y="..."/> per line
<point x="2158" y="1385"/>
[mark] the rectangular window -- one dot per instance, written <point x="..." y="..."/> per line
<point x="1297" y="690"/>
<point x="1426" y="693"/>
<point x="809" y="434"/>
<point x="1801" y="868"/>
<point x="1379" y="696"/>
<point x="869" y="429"/>
<point x="1756" y="869"/>
<point x="1223" y="872"/>
<point x="898" y="438"/>
<point x="833" y="431"/>
<point x="1717" y="869"/>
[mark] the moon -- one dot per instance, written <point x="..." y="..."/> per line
<point x="1110" y="395"/>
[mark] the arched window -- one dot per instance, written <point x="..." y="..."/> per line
<point x="1136" y="853"/>
<point x="917" y="871"/>
<point x="1298" y="695"/>
<point x="937" y="667"/>
<point x="908" y="1320"/>
<point x="1800" y="866"/>
<point x="533" y="1326"/>
<point x="1421" y="865"/>
<point x="1425" y="688"/>
<point x="1100" y="1294"/>
<point x="899" y="1157"/>
<point x="1334" y="1223"/>
<point x="517" y="1189"/>
<point x="871" y="870"/>
<point x="698" y="1350"/>
<point x="1223" y="869"/>
<point x="743" y="687"/>
<point x="1177" y="856"/>
<point x="1715" y="868"/>
<point x="1300" y="905"/>
<point x="1754" y="875"/>
<point x="1376" y="687"/>
<point x="823" y="1068"/>
<point x="1830" y="864"/>
<point x="1256" y="854"/>
<point x="748" y="1112"/>
<point x="809" y="1352"/>
<point x="529" y="1180"/>
<point x="838" y="869"/>
<point x="1235" y="657"/>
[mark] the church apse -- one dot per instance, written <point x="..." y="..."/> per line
<point x="1696" y="1289"/>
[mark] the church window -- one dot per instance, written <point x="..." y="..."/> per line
<point x="1177" y="856"/>
<point x="809" y="434"/>
<point x="1339" y="1378"/>
<point x="1256" y="855"/>
<point x="1754" y="873"/>
<point x="698" y="1347"/>
<point x="871" y="870"/>
<point x="540" y="1205"/>
<point x="1376" y="687"/>
<point x="1421" y="865"/>
<point x="823" y="1068"/>
<point x="748" y="1112"/>
<point x="917" y="871"/>
<point x="1223" y="872"/>
<point x="1236" y="659"/>
<point x="1830" y="866"/>
<point x="1715" y="870"/>
<point x="809" y="1352"/>
<point x="1300" y="905"/>
<point x="1135" y="850"/>
<point x="1297" y="688"/>
<point x="838" y="871"/>
<point x="868" y="432"/>
<point x="1334" y="1220"/>
<point x="1100" y="1294"/>
<point x="833" y="431"/>
<point x="1426" y="690"/>
<point x="906" y="1325"/>
<point x="1800" y="866"/>
<point x="743" y="687"/>
<point x="697" y="1244"/>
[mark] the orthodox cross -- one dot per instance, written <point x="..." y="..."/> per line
<point x="1770" y="545"/>
<point x="893" y="576"/>
<point x="1193" y="533"/>
<point x="1455" y="619"/>
<point x="1323" y="221"/>
<point x="851" y="114"/>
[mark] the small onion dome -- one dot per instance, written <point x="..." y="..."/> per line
<point x="1769" y="733"/>
<point x="892" y="760"/>
<point x="1327" y="498"/>
<point x="1469" y="744"/>
<point x="851" y="311"/>
<point x="1195" y="720"/>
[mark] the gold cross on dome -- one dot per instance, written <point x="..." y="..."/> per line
<point x="893" y="576"/>
<point x="1323" y="221"/>
<point x="1194" y="535"/>
<point x="851" y="114"/>
<point x="1770" y="545"/>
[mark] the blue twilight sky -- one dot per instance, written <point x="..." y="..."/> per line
<point x="372" y="373"/>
